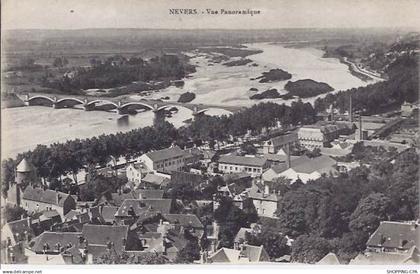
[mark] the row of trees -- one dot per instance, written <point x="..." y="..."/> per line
<point x="255" y="118"/>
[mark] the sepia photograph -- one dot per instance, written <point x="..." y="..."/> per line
<point x="257" y="134"/>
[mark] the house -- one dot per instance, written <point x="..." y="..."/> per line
<point x="392" y="243"/>
<point x="108" y="214"/>
<point x="274" y="145"/>
<point x="247" y="254"/>
<point x="184" y="221"/>
<point x="132" y="208"/>
<point x="17" y="231"/>
<point x="134" y="173"/>
<point x="165" y="160"/>
<point x="56" y="242"/>
<point x="311" y="169"/>
<point x="240" y="237"/>
<point x="154" y="181"/>
<point x="275" y="170"/>
<point x="407" y="109"/>
<point x="193" y="156"/>
<point x="329" y="259"/>
<point x="265" y="202"/>
<point x="45" y="220"/>
<point x="410" y="257"/>
<point x="187" y="178"/>
<point x="38" y="199"/>
<point x="254" y="166"/>
<point x="394" y="237"/>
<point x="101" y="239"/>
<point x="150" y="194"/>
<point x="319" y="135"/>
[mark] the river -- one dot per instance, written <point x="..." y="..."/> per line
<point x="25" y="127"/>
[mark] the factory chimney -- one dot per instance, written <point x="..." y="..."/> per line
<point x="288" y="164"/>
<point x="360" y="128"/>
<point x="331" y="113"/>
<point x="351" y="110"/>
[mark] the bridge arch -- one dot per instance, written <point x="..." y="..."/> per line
<point x="136" y="104"/>
<point x="40" y="97"/>
<point x="71" y="100"/>
<point x="39" y="100"/>
<point x="74" y="101"/>
<point x="106" y="102"/>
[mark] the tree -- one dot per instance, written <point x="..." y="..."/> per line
<point x="309" y="249"/>
<point x="370" y="211"/>
<point x="14" y="213"/>
<point x="231" y="218"/>
<point x="274" y="242"/>
<point x="138" y="258"/>
<point x="349" y="245"/>
<point x="189" y="253"/>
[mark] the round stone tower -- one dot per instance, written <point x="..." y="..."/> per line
<point x="25" y="173"/>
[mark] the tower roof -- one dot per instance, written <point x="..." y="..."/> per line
<point x="24" y="166"/>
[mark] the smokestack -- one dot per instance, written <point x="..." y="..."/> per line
<point x="360" y="128"/>
<point x="288" y="164"/>
<point x="331" y="113"/>
<point x="351" y="110"/>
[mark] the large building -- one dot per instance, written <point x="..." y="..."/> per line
<point x="37" y="200"/>
<point x="273" y="145"/>
<point x="319" y="135"/>
<point x="254" y="166"/>
<point x="165" y="160"/>
<point x="311" y="169"/>
<point x="392" y="243"/>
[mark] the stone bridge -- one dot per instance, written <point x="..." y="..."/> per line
<point x="118" y="105"/>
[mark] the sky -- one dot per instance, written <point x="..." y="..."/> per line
<point x="79" y="14"/>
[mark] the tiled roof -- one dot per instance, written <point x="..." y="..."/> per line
<point x="242" y="160"/>
<point x="53" y="238"/>
<point x="166" y="153"/>
<point x="150" y="194"/>
<point x="50" y="213"/>
<point x="284" y="139"/>
<point x="19" y="227"/>
<point x="315" y="164"/>
<point x="294" y="161"/>
<point x="240" y="236"/>
<point x="184" y="220"/>
<point x="108" y="213"/>
<point x="98" y="236"/>
<point x="330" y="259"/>
<point x="253" y="253"/>
<point x="387" y="258"/>
<point x="71" y="214"/>
<point x="249" y="254"/>
<point x="255" y="193"/>
<point x="24" y="166"/>
<point x="155" y="179"/>
<point x="140" y="206"/>
<point x="45" y="196"/>
<point x="119" y="198"/>
<point x="394" y="234"/>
